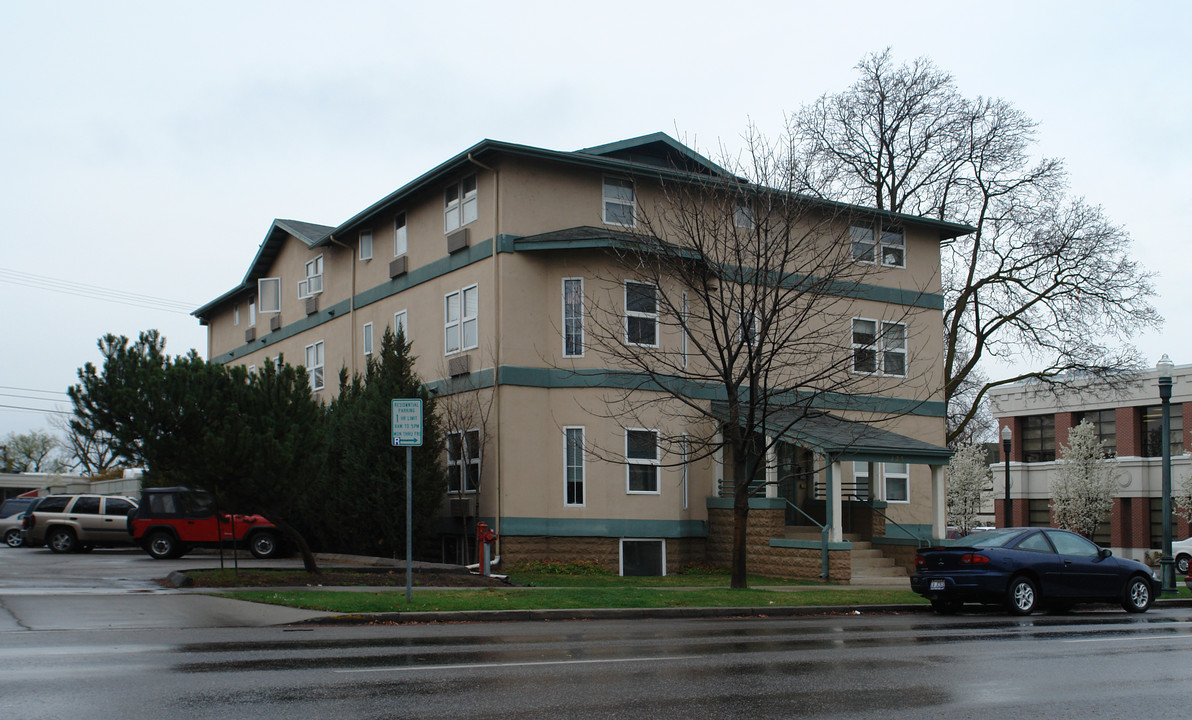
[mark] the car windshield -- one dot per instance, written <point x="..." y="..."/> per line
<point x="984" y="539"/>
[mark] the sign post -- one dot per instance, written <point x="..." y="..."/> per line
<point x="407" y="432"/>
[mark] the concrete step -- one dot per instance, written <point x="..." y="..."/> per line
<point x="893" y="582"/>
<point x="888" y="571"/>
<point x="872" y="562"/>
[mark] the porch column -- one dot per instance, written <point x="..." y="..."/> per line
<point x="771" y="468"/>
<point x="939" y="502"/>
<point x="833" y="475"/>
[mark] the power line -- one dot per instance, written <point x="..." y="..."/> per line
<point x="95" y="292"/>
<point x="32" y="390"/>
<point x="37" y="410"/>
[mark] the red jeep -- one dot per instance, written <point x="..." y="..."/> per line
<point x="171" y="521"/>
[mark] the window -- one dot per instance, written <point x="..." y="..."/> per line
<point x="573" y="472"/>
<point x="743" y="217"/>
<point x="1038" y="438"/>
<point x="399" y="325"/>
<point x="897" y="482"/>
<point x="641" y="314"/>
<point x="748" y="330"/>
<point x="1104" y="422"/>
<point x="641" y="456"/>
<point x="463" y="461"/>
<point x="643" y="557"/>
<point x="400" y="246"/>
<point x="573" y="317"/>
<point x="860" y="488"/>
<point x="461" y="331"/>
<point x="313" y="284"/>
<point x="85" y="506"/>
<point x="1069" y="544"/>
<point x="869" y="348"/>
<point x="236" y="314"/>
<point x="888" y="249"/>
<point x="367" y="339"/>
<point x="117" y="506"/>
<point x="459" y="204"/>
<point x="314" y="365"/>
<point x="1152" y="430"/>
<point x="252" y="313"/>
<point x="366" y="244"/>
<point x="269" y="293"/>
<point x="252" y="369"/>
<point x="620" y="202"/>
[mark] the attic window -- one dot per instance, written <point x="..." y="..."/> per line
<point x="269" y="295"/>
<point x="620" y="202"/>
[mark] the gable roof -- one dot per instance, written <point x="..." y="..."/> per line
<point x="656" y="154"/>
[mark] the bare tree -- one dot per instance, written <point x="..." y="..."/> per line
<point x="464" y="409"/>
<point x="1046" y="279"/>
<point x="730" y="305"/>
<point x="91" y="451"/>
<point x="34" y="451"/>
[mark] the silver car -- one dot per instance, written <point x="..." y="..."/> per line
<point x="75" y="523"/>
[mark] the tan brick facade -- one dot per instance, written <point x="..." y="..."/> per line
<point x="761" y="558"/>
<point x="606" y="551"/>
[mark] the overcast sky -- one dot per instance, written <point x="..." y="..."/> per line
<point x="147" y="146"/>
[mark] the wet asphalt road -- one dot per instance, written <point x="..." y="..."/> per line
<point x="1091" y="664"/>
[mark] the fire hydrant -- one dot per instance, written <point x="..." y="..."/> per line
<point x="485" y="539"/>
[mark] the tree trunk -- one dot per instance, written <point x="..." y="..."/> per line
<point x="308" y="558"/>
<point x="740" y="523"/>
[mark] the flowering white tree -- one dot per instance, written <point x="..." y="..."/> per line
<point x="1181" y="499"/>
<point x="969" y="479"/>
<point x="1082" y="494"/>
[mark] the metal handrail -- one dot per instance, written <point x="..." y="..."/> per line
<point x="873" y="507"/>
<point x="823" y="538"/>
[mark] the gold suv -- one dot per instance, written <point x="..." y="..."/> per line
<point x="77" y="523"/>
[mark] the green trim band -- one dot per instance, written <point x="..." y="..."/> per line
<point x="756" y="503"/>
<point x="602" y="527"/>
<point x="810" y="544"/>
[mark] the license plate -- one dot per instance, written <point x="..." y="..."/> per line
<point x="937" y="584"/>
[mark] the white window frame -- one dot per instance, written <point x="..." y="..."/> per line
<point x="655" y="463"/>
<point x="638" y="314"/>
<point x="252" y="369"/>
<point x="313" y="284"/>
<point x="463" y="322"/>
<point x="743" y="216"/>
<point x="314" y="365"/>
<point x="269" y="289"/>
<point x="366" y="339"/>
<point x="882" y="347"/>
<point x="366" y="245"/>
<point x="460" y="206"/>
<point x="607" y="199"/>
<point x="252" y="313"/>
<point x="904" y="476"/>
<point x="236" y="314"/>
<point x="621" y="552"/>
<point x="401" y="320"/>
<point x="580" y="469"/>
<point x="401" y="242"/>
<point x="877" y="245"/>
<point x="579" y="320"/>
<point x="463" y="461"/>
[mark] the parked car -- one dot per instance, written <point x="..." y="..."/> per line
<point x="11" y="511"/>
<point x="1182" y="552"/>
<point x="171" y="521"/>
<point x="1026" y="569"/>
<point x="78" y="523"/>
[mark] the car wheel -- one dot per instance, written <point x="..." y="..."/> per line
<point x="1022" y="597"/>
<point x="946" y="607"/>
<point x="13" y="538"/>
<point x="62" y="540"/>
<point x="1181" y="564"/>
<point x="1137" y="596"/>
<point x="161" y="545"/>
<point x="264" y="545"/>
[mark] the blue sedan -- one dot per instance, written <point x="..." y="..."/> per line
<point x="1029" y="568"/>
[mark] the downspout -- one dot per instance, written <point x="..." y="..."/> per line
<point x="496" y="408"/>
<point x="351" y="301"/>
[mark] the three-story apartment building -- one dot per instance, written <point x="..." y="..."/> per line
<point x="490" y="263"/>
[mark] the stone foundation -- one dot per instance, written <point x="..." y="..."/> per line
<point x="762" y="558"/>
<point x="516" y="550"/>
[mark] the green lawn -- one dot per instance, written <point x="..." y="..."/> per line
<point x="569" y="598"/>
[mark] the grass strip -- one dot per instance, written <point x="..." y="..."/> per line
<point x="565" y="598"/>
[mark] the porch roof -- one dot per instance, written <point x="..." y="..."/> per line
<point x="848" y="440"/>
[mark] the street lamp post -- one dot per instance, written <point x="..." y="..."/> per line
<point x="1006" y="434"/>
<point x="1166" y="563"/>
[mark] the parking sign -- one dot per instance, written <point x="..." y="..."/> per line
<point x="407" y="423"/>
